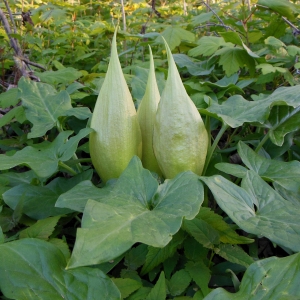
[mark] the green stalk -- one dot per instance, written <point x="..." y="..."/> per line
<point x="67" y="168"/>
<point x="211" y="150"/>
<point x="75" y="157"/>
<point x="205" y="201"/>
<point x="262" y="142"/>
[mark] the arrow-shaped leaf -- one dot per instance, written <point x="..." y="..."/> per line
<point x="135" y="211"/>
<point x="274" y="218"/>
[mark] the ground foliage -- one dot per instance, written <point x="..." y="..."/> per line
<point x="233" y="233"/>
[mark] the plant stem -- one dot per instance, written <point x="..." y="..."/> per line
<point x="266" y="137"/>
<point x="213" y="147"/>
<point x="211" y="257"/>
<point x="205" y="201"/>
<point x="78" y="165"/>
<point x="79" y="160"/>
<point x="67" y="168"/>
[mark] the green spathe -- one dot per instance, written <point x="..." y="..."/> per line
<point x="117" y="136"/>
<point x="146" y="116"/>
<point x="180" y="139"/>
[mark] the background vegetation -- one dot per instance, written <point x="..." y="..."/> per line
<point x="233" y="233"/>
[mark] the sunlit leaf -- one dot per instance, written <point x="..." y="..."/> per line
<point x="112" y="225"/>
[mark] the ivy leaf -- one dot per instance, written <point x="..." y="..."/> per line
<point x="112" y="225"/>
<point x="266" y="278"/>
<point x="43" y="158"/>
<point x="43" y="106"/>
<point x="34" y="257"/>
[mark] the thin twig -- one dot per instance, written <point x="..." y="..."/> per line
<point x="215" y="24"/>
<point x="19" y="58"/>
<point x="296" y="30"/>
<point x="154" y="9"/>
<point x="220" y="20"/>
<point x="27" y="61"/>
<point x="10" y="15"/>
<point x="13" y="41"/>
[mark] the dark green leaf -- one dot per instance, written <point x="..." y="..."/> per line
<point x="42" y="229"/>
<point x="202" y="232"/>
<point x="158" y="292"/>
<point x="136" y="257"/>
<point x="140" y="294"/>
<point x="283" y="120"/>
<point x="156" y="256"/>
<point x="275" y="218"/>
<point x="39" y="201"/>
<point x="270" y="278"/>
<point x="126" y="286"/>
<point x="37" y="271"/>
<point x="200" y="273"/>
<point x="227" y="234"/>
<point x="283" y="7"/>
<point x="9" y="98"/>
<point x="43" y="158"/>
<point x="179" y="282"/>
<point x="234" y="254"/>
